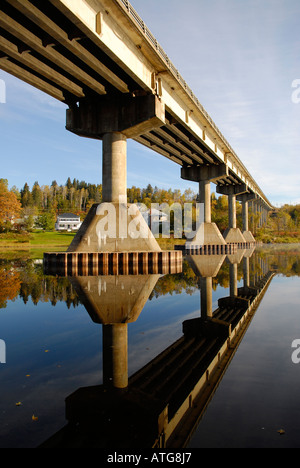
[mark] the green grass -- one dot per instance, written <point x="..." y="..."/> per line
<point x="51" y="238"/>
<point x="35" y="244"/>
<point x="39" y="239"/>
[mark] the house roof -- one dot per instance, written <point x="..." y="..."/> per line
<point x="68" y="215"/>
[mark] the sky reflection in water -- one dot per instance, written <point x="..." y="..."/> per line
<point x="54" y="348"/>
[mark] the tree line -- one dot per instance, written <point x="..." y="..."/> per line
<point x="42" y="203"/>
<point x="39" y="206"/>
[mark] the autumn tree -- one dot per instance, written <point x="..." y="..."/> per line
<point x="26" y="198"/>
<point x="10" y="207"/>
<point x="10" y="284"/>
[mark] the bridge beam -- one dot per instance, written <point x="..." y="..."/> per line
<point x="208" y="232"/>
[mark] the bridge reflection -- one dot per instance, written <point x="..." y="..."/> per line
<point x="160" y="405"/>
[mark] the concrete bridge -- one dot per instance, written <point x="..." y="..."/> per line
<point x="100" y="59"/>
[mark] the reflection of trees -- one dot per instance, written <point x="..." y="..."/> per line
<point x="10" y="283"/>
<point x="25" y="279"/>
<point x="46" y="288"/>
<point x="177" y="283"/>
<point x="188" y="281"/>
<point x="285" y="260"/>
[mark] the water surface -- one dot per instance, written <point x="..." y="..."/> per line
<point x="54" y="330"/>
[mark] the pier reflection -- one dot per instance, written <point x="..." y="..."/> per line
<point x="114" y="302"/>
<point x="160" y="405"/>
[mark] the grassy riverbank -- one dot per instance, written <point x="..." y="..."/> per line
<point x="38" y="239"/>
<point x="36" y="243"/>
<point x="33" y="244"/>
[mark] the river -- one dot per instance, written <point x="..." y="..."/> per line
<point x="130" y="361"/>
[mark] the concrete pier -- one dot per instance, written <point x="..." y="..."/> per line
<point x="114" y="302"/>
<point x="246" y="198"/>
<point x="233" y="234"/>
<point x="208" y="233"/>
<point x="206" y="268"/>
<point x="114" y="226"/>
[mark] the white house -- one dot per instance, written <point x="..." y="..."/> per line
<point x="153" y="216"/>
<point x="68" y="222"/>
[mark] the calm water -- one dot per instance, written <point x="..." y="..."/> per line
<point x="57" y="333"/>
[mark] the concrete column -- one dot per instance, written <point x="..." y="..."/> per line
<point x="94" y="234"/>
<point x="114" y="175"/>
<point x="246" y="271"/>
<point x="247" y="201"/>
<point x="259" y="212"/>
<point x="245" y="214"/>
<point x="206" y="297"/>
<point x="205" y="198"/>
<point x="232" y="211"/>
<point x="233" y="235"/>
<point x="115" y="355"/>
<point x="208" y="232"/>
<point x="233" y="272"/>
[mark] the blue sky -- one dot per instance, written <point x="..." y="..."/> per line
<point x="240" y="58"/>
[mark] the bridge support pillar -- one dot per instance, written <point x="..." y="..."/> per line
<point x="246" y="198"/>
<point x="115" y="226"/>
<point x="114" y="168"/>
<point x="233" y="235"/>
<point x="115" y="352"/>
<point x="208" y="232"/>
<point x="261" y="209"/>
<point x="206" y="268"/>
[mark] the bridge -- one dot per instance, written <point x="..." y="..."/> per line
<point x="100" y="59"/>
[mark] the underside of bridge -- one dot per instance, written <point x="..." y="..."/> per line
<point x="100" y="59"/>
